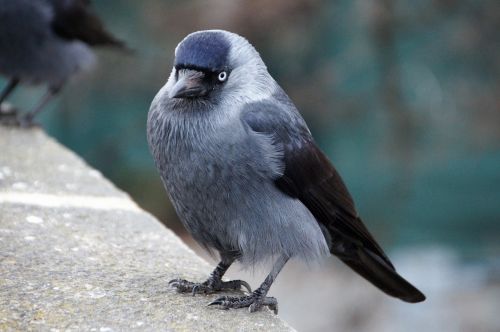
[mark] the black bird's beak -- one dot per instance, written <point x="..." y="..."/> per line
<point x="190" y="84"/>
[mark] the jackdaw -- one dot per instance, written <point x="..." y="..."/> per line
<point x="47" y="42"/>
<point x="246" y="177"/>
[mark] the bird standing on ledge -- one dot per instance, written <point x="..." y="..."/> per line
<point x="246" y="177"/>
<point x="47" y="42"/>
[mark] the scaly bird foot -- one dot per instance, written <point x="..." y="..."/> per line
<point x="207" y="287"/>
<point x="253" y="302"/>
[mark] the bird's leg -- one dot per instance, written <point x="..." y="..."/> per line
<point x="258" y="298"/>
<point x="214" y="282"/>
<point x="27" y="120"/>
<point x="8" y="89"/>
<point x="8" y="115"/>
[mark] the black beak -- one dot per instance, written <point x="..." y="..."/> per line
<point x="190" y="84"/>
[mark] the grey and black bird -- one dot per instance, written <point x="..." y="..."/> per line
<point x="47" y="42"/>
<point x="246" y="177"/>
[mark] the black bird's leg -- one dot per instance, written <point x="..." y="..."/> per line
<point x="8" y="115"/>
<point x="258" y="298"/>
<point x="8" y="89"/>
<point x="27" y="120"/>
<point x="214" y="282"/>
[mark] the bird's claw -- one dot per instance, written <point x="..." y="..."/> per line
<point x="207" y="287"/>
<point x="252" y="302"/>
<point x="184" y="286"/>
<point x="245" y="284"/>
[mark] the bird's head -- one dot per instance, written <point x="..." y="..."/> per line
<point x="217" y="65"/>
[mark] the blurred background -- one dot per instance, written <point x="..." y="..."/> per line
<point x="403" y="96"/>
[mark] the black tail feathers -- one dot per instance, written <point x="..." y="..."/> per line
<point x="380" y="274"/>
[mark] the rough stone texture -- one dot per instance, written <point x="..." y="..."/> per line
<point x="78" y="254"/>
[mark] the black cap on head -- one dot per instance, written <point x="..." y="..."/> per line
<point x="207" y="50"/>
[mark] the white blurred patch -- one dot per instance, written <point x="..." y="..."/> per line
<point x="69" y="201"/>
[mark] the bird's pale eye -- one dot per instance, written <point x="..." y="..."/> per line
<point x="222" y="76"/>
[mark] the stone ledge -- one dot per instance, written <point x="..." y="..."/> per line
<point x="78" y="254"/>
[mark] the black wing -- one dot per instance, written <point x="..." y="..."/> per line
<point x="74" y="19"/>
<point x="310" y="177"/>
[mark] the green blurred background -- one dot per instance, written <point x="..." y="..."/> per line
<point x="403" y="96"/>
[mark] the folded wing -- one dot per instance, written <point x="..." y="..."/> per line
<point x="310" y="177"/>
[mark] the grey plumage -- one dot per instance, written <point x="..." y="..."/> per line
<point x="219" y="175"/>
<point x="244" y="173"/>
<point x="47" y="41"/>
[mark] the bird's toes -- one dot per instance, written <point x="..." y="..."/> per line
<point x="174" y="283"/>
<point x="253" y="303"/>
<point x="256" y="306"/>
<point x="235" y="285"/>
<point x="181" y="285"/>
<point x="201" y="288"/>
<point x="246" y="285"/>
<point x="185" y="286"/>
<point x="219" y="301"/>
<point x="269" y="302"/>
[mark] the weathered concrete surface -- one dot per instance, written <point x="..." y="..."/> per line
<point x="78" y="254"/>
